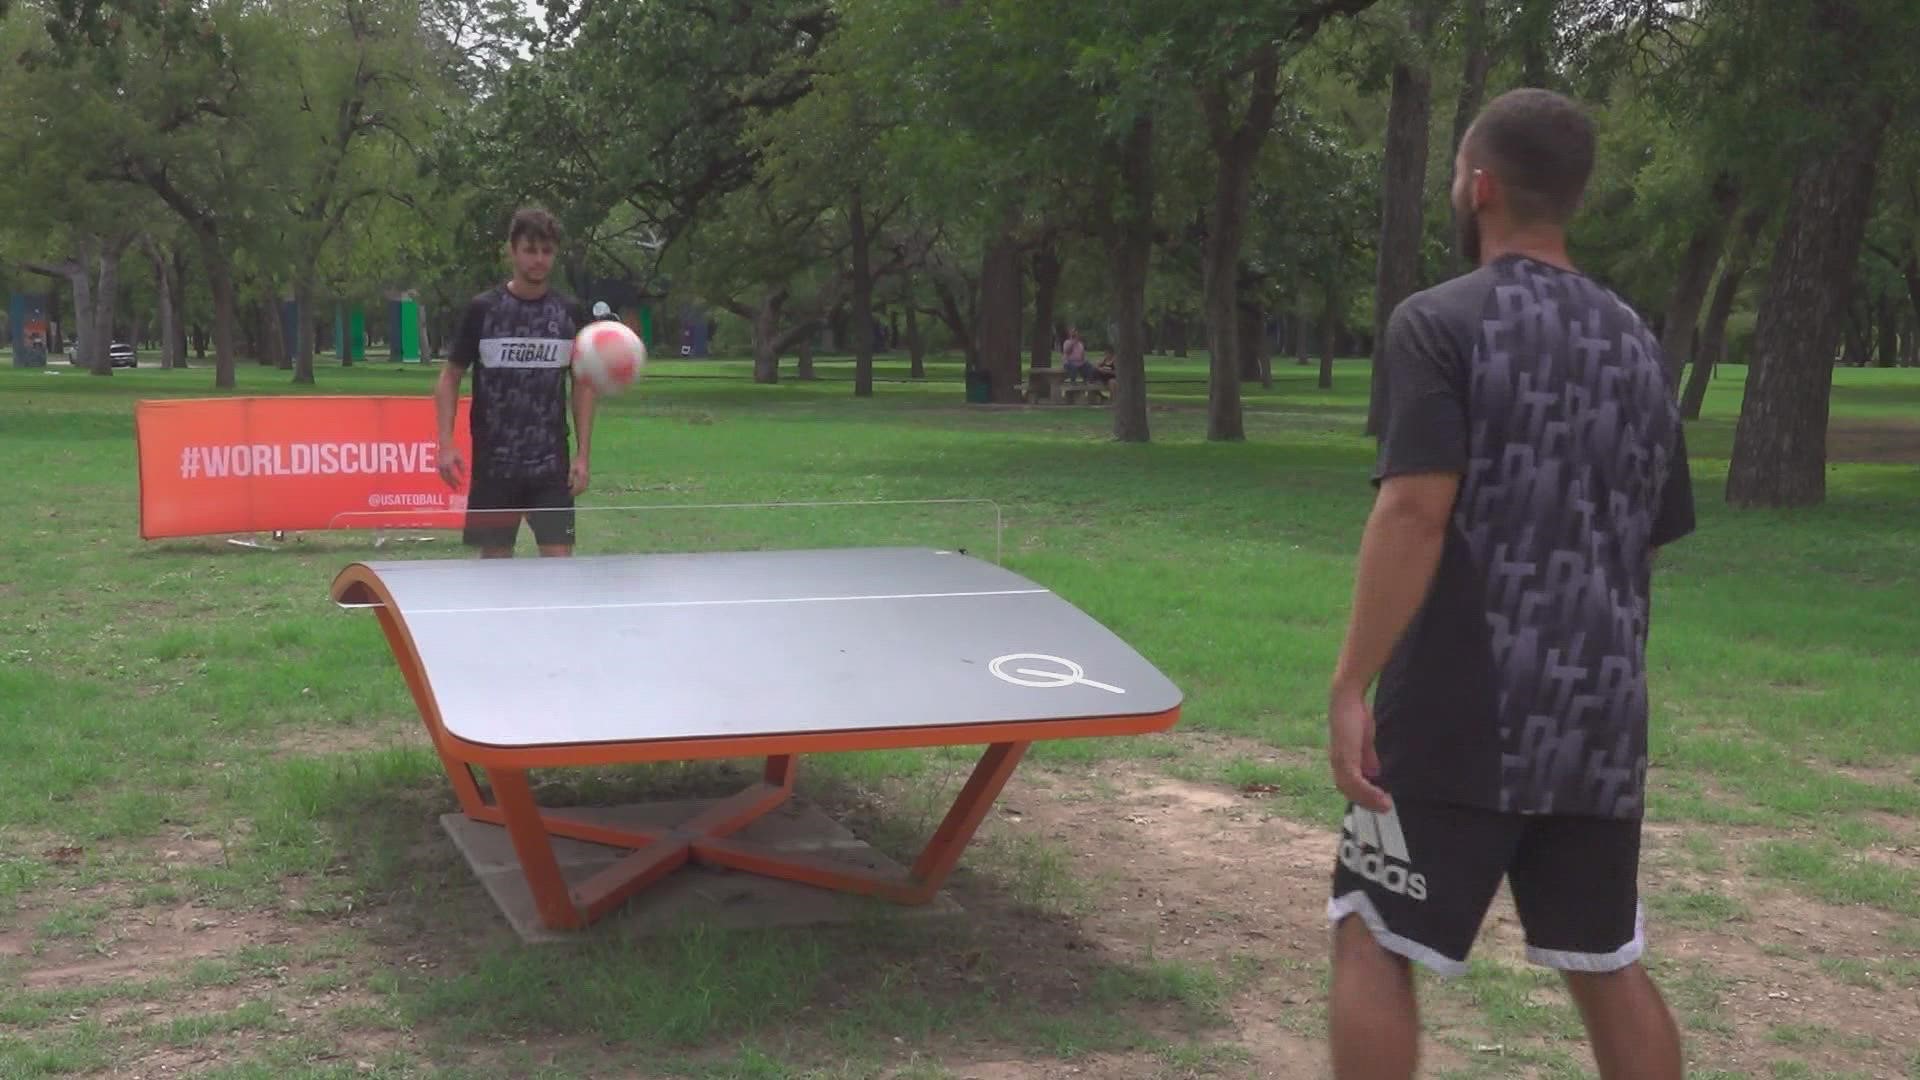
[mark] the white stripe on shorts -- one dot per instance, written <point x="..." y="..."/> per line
<point x="1598" y="963"/>
<point x="1358" y="903"/>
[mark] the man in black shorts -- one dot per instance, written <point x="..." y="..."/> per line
<point x="520" y="334"/>
<point x="1530" y="464"/>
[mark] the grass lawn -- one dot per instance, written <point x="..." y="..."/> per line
<point x="219" y="854"/>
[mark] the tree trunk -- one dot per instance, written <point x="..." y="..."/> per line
<point x="1537" y="18"/>
<point x="87" y="346"/>
<point x="961" y="318"/>
<point x="164" y="300"/>
<point x="1780" y="444"/>
<point x="1696" y="272"/>
<point x="804" y="348"/>
<point x="1177" y="333"/>
<point x="273" y="339"/>
<point x="1000" y="311"/>
<point x="1713" y="336"/>
<point x="916" y="345"/>
<point x="106" y="295"/>
<point x="248" y="328"/>
<point x="303" y="344"/>
<point x="1473" y="74"/>
<point x="1329" y="328"/>
<point x="837" y="330"/>
<point x="1858" y="336"/>
<point x="1252" y="344"/>
<point x="1046" y="285"/>
<point x="766" y="338"/>
<point x="1889" y="352"/>
<point x="1129" y="229"/>
<point x="1403" y="183"/>
<point x="177" y="283"/>
<point x="862" y="298"/>
<point x="220" y="278"/>
<point x="1236" y="143"/>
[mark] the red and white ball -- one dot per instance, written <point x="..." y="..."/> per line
<point x="609" y="355"/>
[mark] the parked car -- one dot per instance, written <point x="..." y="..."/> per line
<point x="119" y="354"/>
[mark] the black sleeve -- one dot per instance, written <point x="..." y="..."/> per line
<point x="466" y="341"/>
<point x="1674" y="518"/>
<point x="1424" y="429"/>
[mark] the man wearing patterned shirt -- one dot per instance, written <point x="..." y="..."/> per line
<point x="1530" y="464"/>
<point x="518" y="339"/>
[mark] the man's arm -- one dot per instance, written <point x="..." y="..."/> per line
<point x="446" y="395"/>
<point x="1423" y="455"/>
<point x="1399" y="552"/>
<point x="584" y="400"/>
<point x="446" y="407"/>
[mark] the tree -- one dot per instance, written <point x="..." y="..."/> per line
<point x="1713" y="333"/>
<point x="79" y="232"/>
<point x="345" y="116"/>
<point x="1849" y="79"/>
<point x="1248" y="67"/>
<point x="1402" y="190"/>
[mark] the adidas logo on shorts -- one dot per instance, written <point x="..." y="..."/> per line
<point x="1372" y="845"/>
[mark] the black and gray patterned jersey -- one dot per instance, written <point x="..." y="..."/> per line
<point x="521" y="353"/>
<point x="1521" y="684"/>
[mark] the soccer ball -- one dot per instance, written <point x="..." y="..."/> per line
<point x="609" y="355"/>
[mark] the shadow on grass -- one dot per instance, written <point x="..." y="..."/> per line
<point x="1016" y="969"/>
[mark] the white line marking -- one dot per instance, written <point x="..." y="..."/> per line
<point x="725" y="603"/>
<point x="1071" y="674"/>
<point x="1083" y="680"/>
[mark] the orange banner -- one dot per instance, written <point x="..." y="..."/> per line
<point x="264" y="464"/>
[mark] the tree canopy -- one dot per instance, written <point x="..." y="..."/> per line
<point x="1165" y="174"/>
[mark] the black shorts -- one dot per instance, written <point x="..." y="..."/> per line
<point x="493" y="505"/>
<point x="1423" y="875"/>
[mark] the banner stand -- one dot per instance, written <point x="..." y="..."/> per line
<point x="254" y="468"/>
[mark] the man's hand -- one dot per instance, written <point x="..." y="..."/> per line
<point x="1350" y="749"/>
<point x="453" y="466"/>
<point x="578" y="476"/>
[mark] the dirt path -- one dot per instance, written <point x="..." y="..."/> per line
<point x="1202" y="873"/>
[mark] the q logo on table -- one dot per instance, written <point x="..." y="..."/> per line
<point x="1058" y="672"/>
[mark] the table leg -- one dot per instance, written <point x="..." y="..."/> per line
<point x="942" y="852"/>
<point x="458" y="772"/>
<point x="534" y="846"/>
<point x="929" y="872"/>
<point x="705" y="838"/>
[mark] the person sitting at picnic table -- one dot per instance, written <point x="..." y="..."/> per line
<point x="1073" y="354"/>
<point x="1104" y="369"/>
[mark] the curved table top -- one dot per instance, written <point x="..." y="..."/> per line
<point x="532" y="652"/>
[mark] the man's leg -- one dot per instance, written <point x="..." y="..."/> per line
<point x="1372" y="1018"/>
<point x="1410" y="884"/>
<point x="1632" y="1030"/>
<point x="492" y="525"/>
<point x="1574" y="884"/>
<point x="553" y="523"/>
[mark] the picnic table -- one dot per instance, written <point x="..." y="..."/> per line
<point x="1051" y="385"/>
<point x="523" y="664"/>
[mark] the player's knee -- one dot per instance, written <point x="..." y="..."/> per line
<point x="1354" y="943"/>
<point x="1608" y="985"/>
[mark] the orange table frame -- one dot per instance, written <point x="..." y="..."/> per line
<point x="706" y="838"/>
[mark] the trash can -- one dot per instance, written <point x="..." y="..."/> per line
<point x="979" y="386"/>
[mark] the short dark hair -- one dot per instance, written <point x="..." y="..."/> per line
<point x="1540" y="145"/>
<point x="535" y="224"/>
